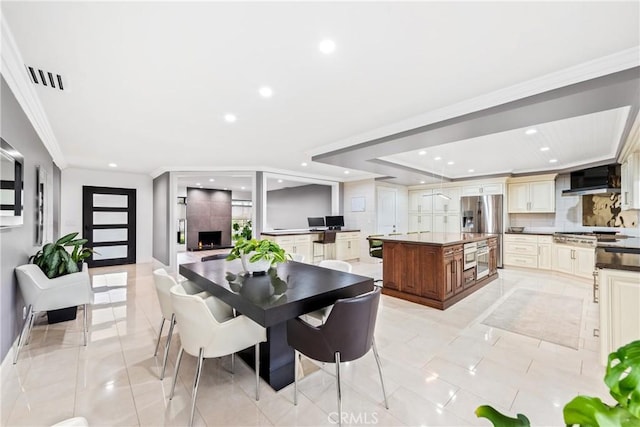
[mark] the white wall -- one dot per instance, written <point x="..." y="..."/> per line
<point x="71" y="202"/>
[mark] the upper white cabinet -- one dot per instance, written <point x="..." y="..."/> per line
<point x="630" y="172"/>
<point x="447" y="206"/>
<point x="421" y="201"/>
<point x="482" y="189"/>
<point x="531" y="194"/>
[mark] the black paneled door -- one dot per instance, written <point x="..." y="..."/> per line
<point x="109" y="223"/>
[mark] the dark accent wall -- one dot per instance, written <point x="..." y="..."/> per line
<point x="17" y="243"/>
<point x="161" y="215"/>
<point x="290" y="207"/>
<point x="208" y="210"/>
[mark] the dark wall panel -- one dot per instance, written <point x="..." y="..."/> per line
<point x="208" y="210"/>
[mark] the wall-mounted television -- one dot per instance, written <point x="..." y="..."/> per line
<point x="334" y="222"/>
<point x="315" y="221"/>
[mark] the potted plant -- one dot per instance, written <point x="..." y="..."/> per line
<point x="623" y="379"/>
<point x="55" y="260"/>
<point x="244" y="231"/>
<point x="257" y="256"/>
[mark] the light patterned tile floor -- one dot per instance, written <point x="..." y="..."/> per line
<point x="438" y="366"/>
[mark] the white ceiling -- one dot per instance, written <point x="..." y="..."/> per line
<point x="148" y="83"/>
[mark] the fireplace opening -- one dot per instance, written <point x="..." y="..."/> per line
<point x="209" y="239"/>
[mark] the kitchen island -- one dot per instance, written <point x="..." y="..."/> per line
<point x="429" y="268"/>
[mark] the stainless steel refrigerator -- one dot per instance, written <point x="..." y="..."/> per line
<point x="483" y="214"/>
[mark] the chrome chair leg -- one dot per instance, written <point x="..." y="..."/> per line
<point x="233" y="363"/>
<point x="159" y="335"/>
<point x="257" y="371"/>
<point x="175" y="375"/>
<point x="27" y="337"/>
<point x="84" y="328"/>
<point x="196" y="383"/>
<point x="338" y="388"/>
<point x="375" y="353"/>
<point x="295" y="377"/>
<point x="26" y="330"/>
<point x="166" y="349"/>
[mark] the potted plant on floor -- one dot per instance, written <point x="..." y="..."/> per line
<point x="55" y="260"/>
<point x="257" y="256"/>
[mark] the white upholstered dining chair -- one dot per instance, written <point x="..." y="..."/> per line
<point x="207" y="333"/>
<point x="334" y="264"/>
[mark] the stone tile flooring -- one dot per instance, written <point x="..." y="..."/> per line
<point x="438" y="366"/>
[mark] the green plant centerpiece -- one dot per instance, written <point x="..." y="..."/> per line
<point x="623" y="379"/>
<point x="257" y="256"/>
<point x="55" y="260"/>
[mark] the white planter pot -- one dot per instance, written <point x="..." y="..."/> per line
<point x="260" y="266"/>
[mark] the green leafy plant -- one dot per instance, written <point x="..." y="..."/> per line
<point x="261" y="250"/>
<point x="245" y="231"/>
<point x="55" y="260"/>
<point x="623" y="379"/>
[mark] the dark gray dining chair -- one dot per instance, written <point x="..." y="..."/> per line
<point x="346" y="335"/>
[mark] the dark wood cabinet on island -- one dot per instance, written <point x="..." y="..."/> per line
<point x="428" y="268"/>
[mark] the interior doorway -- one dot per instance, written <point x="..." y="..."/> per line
<point x="386" y="210"/>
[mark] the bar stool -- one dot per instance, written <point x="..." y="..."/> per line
<point x="328" y="238"/>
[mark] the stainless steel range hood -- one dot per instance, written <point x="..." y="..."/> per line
<point x="597" y="180"/>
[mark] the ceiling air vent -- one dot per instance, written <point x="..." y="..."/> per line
<point x="45" y="78"/>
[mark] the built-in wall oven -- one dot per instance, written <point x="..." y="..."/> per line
<point x="469" y="253"/>
<point x="482" y="260"/>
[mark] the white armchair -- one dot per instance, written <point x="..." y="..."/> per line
<point x="41" y="294"/>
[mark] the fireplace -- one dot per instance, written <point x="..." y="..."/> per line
<point x="209" y="239"/>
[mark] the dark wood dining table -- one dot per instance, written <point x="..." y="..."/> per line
<point x="285" y="292"/>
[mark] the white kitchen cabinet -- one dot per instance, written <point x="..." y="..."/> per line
<point x="619" y="298"/>
<point x="421" y="201"/>
<point x="630" y="174"/>
<point x="575" y="260"/>
<point x="544" y="252"/>
<point x="521" y="250"/>
<point x="534" y="196"/>
<point x="347" y="246"/>
<point x="296" y="244"/>
<point x="447" y="206"/>
<point x="482" y="189"/>
<point x="420" y="222"/>
<point x="443" y="223"/>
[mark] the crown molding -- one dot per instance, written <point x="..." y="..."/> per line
<point x="632" y="143"/>
<point x="14" y="72"/>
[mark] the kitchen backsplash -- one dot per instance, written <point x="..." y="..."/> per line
<point x="568" y="216"/>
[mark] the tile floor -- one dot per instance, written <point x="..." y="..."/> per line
<point x="438" y="366"/>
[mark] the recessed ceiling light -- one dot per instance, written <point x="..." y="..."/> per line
<point x="242" y="188"/>
<point x="544" y="148"/>
<point x="449" y="162"/>
<point x="230" y="118"/>
<point x="225" y="188"/>
<point x="531" y="131"/>
<point x="437" y="158"/>
<point x="422" y="153"/>
<point x="421" y="182"/>
<point x="303" y="164"/>
<point x="280" y="181"/>
<point x="265" y="92"/>
<point x="197" y="183"/>
<point x="113" y="165"/>
<point x="327" y="46"/>
<point x="346" y="172"/>
<point x="553" y="161"/>
<point x="471" y="170"/>
<point x="211" y="179"/>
